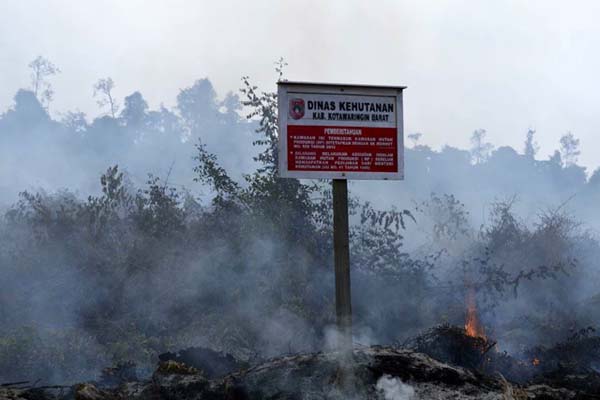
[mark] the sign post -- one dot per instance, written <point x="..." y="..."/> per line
<point x="340" y="132"/>
<point x="341" y="254"/>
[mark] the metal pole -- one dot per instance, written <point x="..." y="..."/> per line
<point x="341" y="248"/>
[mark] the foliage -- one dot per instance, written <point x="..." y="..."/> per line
<point x="141" y="271"/>
<point x="104" y="88"/>
<point x="41" y="70"/>
<point x="243" y="262"/>
<point x="531" y="147"/>
<point x="480" y="149"/>
<point x="569" y="149"/>
<point x="414" y="138"/>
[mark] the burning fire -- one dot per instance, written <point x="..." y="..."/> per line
<point x="473" y="327"/>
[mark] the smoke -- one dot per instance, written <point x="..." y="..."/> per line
<point x="166" y="264"/>
<point x="394" y="389"/>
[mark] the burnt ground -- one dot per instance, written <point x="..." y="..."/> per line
<point x="370" y="373"/>
<point x="573" y="364"/>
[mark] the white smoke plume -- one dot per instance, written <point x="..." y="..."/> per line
<point x="394" y="389"/>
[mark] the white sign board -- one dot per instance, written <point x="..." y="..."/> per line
<point x="340" y="131"/>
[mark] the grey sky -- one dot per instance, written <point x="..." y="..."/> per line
<point x="500" y="65"/>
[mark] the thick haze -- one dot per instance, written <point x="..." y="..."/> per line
<point x="213" y="249"/>
<point x="503" y="66"/>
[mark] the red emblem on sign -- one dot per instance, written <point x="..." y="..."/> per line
<point x="297" y="108"/>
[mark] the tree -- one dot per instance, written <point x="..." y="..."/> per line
<point x="480" y="149"/>
<point x="232" y="107"/>
<point x="28" y="106"/>
<point x="569" y="149"/>
<point x="280" y="67"/>
<point x="531" y="147"/>
<point x="104" y="88"/>
<point x="595" y="179"/>
<point x="414" y="138"/>
<point x="75" y="121"/>
<point x="134" y="110"/>
<point x="41" y="70"/>
<point x="198" y="106"/>
<point x="263" y="106"/>
<point x="556" y="159"/>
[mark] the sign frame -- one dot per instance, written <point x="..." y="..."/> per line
<point x="285" y="88"/>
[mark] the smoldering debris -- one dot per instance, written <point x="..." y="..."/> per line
<point x="453" y="345"/>
<point x="121" y="373"/>
<point x="213" y="364"/>
<point x="377" y="373"/>
<point x="571" y="364"/>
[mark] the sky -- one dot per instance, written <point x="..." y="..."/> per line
<point x="504" y="66"/>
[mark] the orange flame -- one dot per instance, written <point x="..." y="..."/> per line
<point x="473" y="327"/>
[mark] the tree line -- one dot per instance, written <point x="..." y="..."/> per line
<point x="226" y="255"/>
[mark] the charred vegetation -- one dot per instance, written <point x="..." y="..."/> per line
<point x="241" y="279"/>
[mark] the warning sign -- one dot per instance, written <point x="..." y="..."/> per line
<point x="340" y="131"/>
